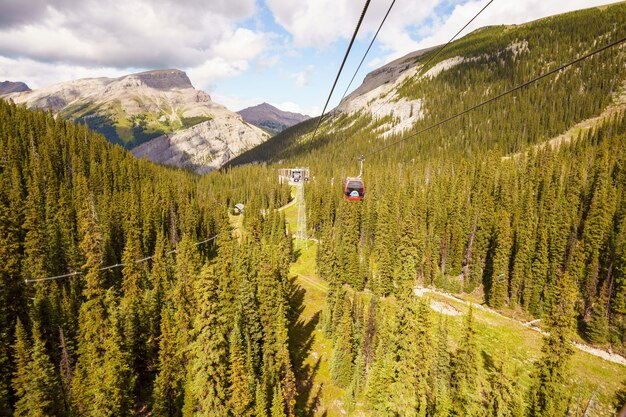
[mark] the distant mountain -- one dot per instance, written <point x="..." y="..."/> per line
<point x="270" y="118"/>
<point x="160" y="105"/>
<point x="7" y="87"/>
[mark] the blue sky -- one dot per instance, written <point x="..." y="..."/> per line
<point x="242" y="52"/>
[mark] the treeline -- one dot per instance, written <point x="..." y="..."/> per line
<point x="200" y="328"/>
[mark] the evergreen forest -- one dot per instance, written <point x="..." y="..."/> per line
<point x="162" y="302"/>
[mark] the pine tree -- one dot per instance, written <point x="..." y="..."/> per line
<point x="241" y="395"/>
<point x="598" y="327"/>
<point x="503" y="400"/>
<point x="343" y="353"/>
<point x="497" y="296"/>
<point x="441" y="373"/>
<point x="278" y="403"/>
<point x="207" y="375"/>
<point x="548" y="392"/>
<point x="168" y="386"/>
<point x="465" y="372"/>
<point x="22" y="358"/>
<point x="41" y="391"/>
<point x="102" y="376"/>
<point x="260" y="401"/>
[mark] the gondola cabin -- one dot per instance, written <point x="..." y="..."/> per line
<point x="353" y="189"/>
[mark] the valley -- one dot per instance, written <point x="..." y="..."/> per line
<point x="153" y="264"/>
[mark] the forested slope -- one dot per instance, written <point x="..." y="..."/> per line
<point x="198" y="327"/>
<point x="477" y="208"/>
<point x="505" y="228"/>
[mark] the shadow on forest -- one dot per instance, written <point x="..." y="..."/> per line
<point x="301" y="338"/>
<point x="487" y="361"/>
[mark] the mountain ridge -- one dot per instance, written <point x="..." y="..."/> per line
<point x="8" y="87"/>
<point x="137" y="108"/>
<point x="271" y="118"/>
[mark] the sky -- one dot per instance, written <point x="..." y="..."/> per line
<point x="242" y="52"/>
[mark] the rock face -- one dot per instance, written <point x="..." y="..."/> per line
<point x="159" y="106"/>
<point x="203" y="147"/>
<point x="8" y="87"/>
<point x="386" y="75"/>
<point x="270" y="118"/>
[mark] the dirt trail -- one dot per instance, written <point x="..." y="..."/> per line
<point x="601" y="353"/>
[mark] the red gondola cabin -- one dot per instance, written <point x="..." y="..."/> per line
<point x="353" y="189"/>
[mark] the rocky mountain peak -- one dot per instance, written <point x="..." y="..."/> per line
<point x="166" y="79"/>
<point x="7" y="87"/>
<point x="270" y="118"/>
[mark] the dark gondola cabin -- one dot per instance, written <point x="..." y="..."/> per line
<point x="354" y="189"/>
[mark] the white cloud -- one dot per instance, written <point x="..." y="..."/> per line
<point x="236" y="103"/>
<point x="302" y="78"/>
<point x="318" y="23"/>
<point x="411" y="25"/>
<point x="40" y="74"/>
<point x="211" y="71"/>
<point x="146" y="34"/>
<point x="240" y="44"/>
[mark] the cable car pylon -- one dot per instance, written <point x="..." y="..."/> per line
<point x="301" y="234"/>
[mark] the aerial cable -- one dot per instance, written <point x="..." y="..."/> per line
<point x="454" y="37"/>
<point x="507" y="92"/>
<point x="356" y="30"/>
<point x="440" y="50"/>
<point x="105" y="268"/>
<point x="368" y="49"/>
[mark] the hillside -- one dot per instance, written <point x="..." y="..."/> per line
<point x="270" y="118"/>
<point x="160" y="106"/>
<point x="517" y="205"/>
<point x="139" y="257"/>
<point x="486" y="260"/>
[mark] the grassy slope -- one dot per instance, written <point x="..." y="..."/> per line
<point x="497" y="334"/>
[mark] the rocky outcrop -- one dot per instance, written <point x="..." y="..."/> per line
<point x="203" y="147"/>
<point x="270" y="118"/>
<point x="8" y="87"/>
<point x="385" y="75"/>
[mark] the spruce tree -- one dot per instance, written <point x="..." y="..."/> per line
<point x="207" y="375"/>
<point x="241" y="392"/>
<point x="548" y="393"/>
<point x="503" y="399"/>
<point x="465" y="372"/>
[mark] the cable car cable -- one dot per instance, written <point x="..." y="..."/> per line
<point x="356" y="30"/>
<point x="439" y="51"/>
<point x="507" y="92"/>
<point x="105" y="268"/>
<point x="454" y="37"/>
<point x="368" y="49"/>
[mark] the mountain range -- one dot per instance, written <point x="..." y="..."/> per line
<point x="270" y="118"/>
<point x="158" y="114"/>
